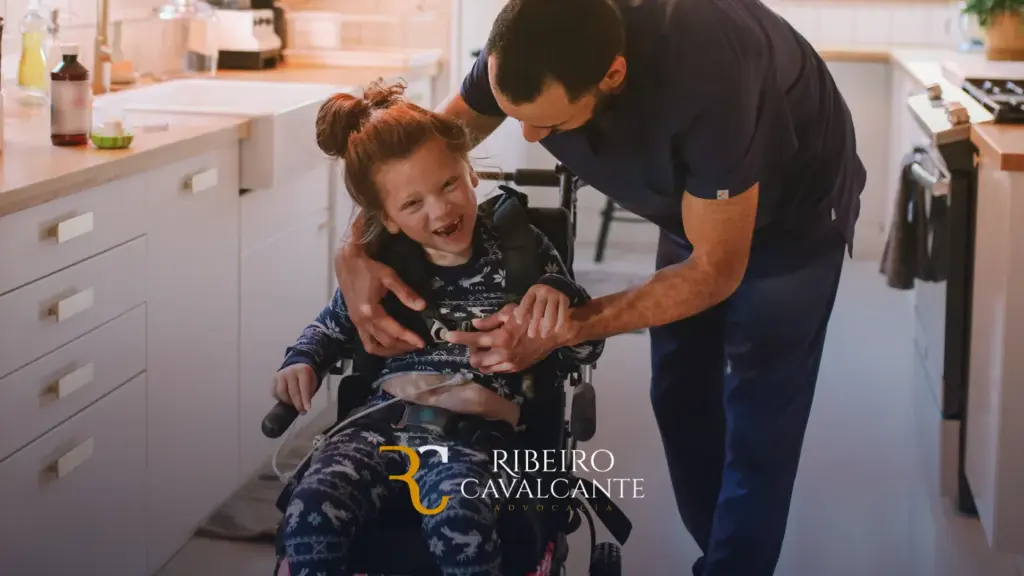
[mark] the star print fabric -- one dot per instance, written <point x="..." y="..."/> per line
<point x="459" y="294"/>
<point x="347" y="483"/>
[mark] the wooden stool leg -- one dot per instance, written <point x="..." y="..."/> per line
<point x="602" y="235"/>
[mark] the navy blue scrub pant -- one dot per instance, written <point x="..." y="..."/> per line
<point x="732" y="391"/>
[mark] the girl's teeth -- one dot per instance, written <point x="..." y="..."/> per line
<point x="448" y="230"/>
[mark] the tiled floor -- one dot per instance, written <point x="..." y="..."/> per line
<point x="858" y="509"/>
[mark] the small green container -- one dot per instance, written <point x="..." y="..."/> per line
<point x="111" y="142"/>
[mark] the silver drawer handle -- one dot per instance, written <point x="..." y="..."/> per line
<point x="72" y="305"/>
<point x="201" y="181"/>
<point x="73" y="227"/>
<point x="74" y="380"/>
<point x="74" y="458"/>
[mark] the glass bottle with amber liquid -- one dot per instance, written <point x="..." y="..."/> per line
<point x="70" y="100"/>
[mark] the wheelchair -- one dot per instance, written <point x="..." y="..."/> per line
<point x="533" y="536"/>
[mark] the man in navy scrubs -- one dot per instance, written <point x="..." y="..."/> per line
<point x="718" y="122"/>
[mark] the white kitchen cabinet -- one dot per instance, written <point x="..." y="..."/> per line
<point x="192" y="352"/>
<point x="285" y="269"/>
<point x="421" y="92"/>
<point x="865" y="87"/>
<point x="284" y="287"/>
<point x="74" y="500"/>
<point x="995" y="430"/>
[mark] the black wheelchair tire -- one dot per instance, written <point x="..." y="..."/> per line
<point x="606" y="560"/>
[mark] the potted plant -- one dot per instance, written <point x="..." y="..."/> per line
<point x="1004" y="28"/>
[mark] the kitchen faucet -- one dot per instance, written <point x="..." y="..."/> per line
<point x="101" y="52"/>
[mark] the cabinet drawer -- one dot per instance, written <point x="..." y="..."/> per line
<point x="45" y="238"/>
<point x="269" y="212"/>
<point x="74" y="500"/>
<point x="50" y="390"/>
<point x="39" y="318"/>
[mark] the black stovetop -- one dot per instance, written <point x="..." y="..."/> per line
<point x="1003" y="98"/>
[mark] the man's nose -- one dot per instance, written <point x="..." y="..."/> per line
<point x="534" y="134"/>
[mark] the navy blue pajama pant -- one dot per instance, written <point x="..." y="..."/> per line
<point x="347" y="482"/>
<point x="731" y="391"/>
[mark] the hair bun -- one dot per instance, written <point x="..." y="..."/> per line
<point x="344" y="115"/>
<point x="378" y="95"/>
<point x="341" y="116"/>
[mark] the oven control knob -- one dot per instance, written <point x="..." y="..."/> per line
<point x="957" y="114"/>
<point x="934" y="91"/>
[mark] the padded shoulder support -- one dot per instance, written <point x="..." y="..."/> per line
<point x="520" y="246"/>
<point x="520" y="243"/>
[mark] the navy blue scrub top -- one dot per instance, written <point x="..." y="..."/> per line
<point x="719" y="95"/>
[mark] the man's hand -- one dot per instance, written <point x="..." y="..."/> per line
<point x="545" y="309"/>
<point x="364" y="282"/>
<point x="502" y="345"/>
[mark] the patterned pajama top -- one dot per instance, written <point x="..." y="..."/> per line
<point x="458" y="293"/>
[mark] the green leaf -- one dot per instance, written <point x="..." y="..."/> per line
<point x="984" y="10"/>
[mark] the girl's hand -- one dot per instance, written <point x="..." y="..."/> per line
<point x="546" y="309"/>
<point x="295" y="385"/>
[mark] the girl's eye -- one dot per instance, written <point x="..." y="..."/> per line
<point x="450" y="183"/>
<point x="410" y="204"/>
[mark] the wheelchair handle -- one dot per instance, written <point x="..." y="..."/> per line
<point x="525" y="177"/>
<point x="279" y="419"/>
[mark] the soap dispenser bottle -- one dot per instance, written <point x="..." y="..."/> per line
<point x="53" y="51"/>
<point x="33" y="75"/>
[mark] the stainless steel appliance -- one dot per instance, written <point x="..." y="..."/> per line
<point x="1003" y="98"/>
<point x="247" y="34"/>
<point x="944" y="169"/>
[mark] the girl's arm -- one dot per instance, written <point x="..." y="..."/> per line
<point x="326" y="341"/>
<point x="557" y="276"/>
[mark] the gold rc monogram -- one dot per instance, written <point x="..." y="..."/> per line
<point x="414" y="466"/>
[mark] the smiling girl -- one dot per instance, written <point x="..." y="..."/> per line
<point x="407" y="169"/>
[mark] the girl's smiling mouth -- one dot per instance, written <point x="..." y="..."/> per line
<point x="450" y="228"/>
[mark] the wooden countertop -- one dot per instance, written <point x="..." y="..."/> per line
<point x="1002" y="143"/>
<point x="33" y="171"/>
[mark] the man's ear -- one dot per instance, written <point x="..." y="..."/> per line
<point x="615" y="75"/>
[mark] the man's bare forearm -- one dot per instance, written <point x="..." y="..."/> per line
<point x="673" y="293"/>
<point x="478" y="125"/>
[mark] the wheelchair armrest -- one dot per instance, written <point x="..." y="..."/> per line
<point x="281" y="416"/>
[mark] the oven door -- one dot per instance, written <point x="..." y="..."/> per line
<point x="930" y="303"/>
<point x="935" y="402"/>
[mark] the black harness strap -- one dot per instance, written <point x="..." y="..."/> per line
<point x="520" y="243"/>
<point x="521" y="257"/>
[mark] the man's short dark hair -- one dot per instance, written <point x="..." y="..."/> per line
<point x="573" y="42"/>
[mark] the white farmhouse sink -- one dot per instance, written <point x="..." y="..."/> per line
<point x="283" y="134"/>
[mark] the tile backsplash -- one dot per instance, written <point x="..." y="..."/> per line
<point x="839" y="22"/>
<point x="823" y="22"/>
<point x="78" y="24"/>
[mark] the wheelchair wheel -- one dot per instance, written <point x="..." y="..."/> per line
<point x="606" y="560"/>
